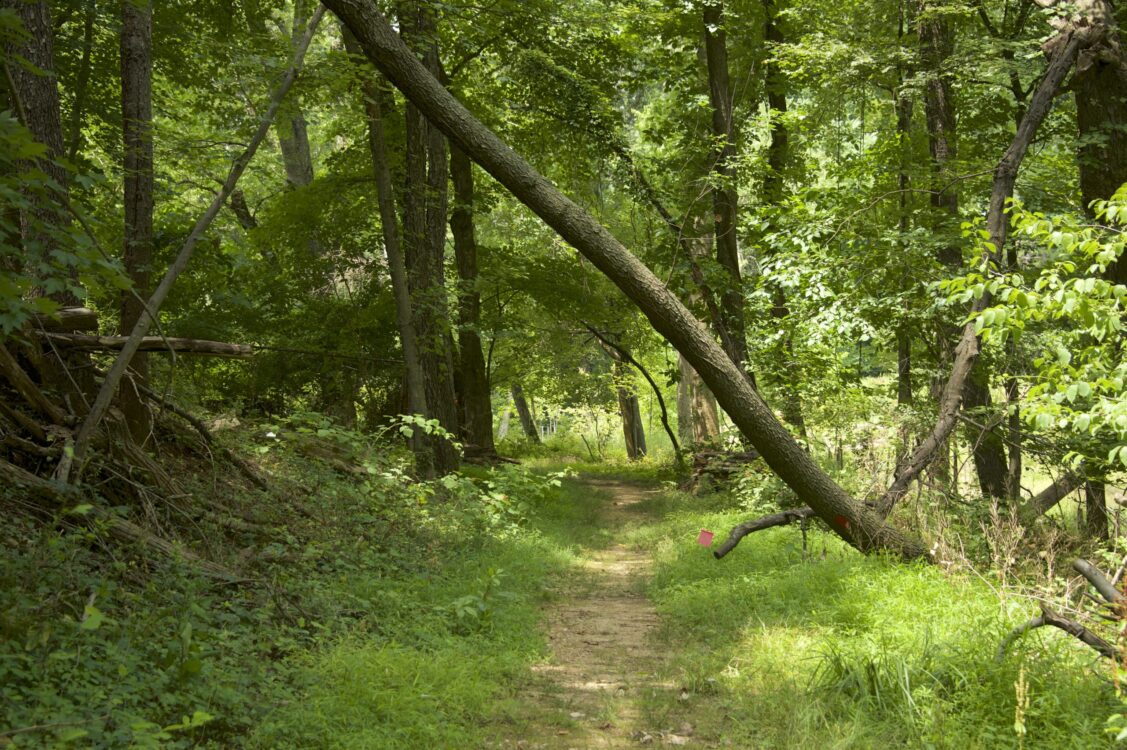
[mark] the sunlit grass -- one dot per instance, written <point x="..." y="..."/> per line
<point x="782" y="647"/>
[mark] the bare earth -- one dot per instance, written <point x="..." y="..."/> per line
<point x="605" y="662"/>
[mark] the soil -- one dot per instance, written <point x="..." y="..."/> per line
<point x="605" y="662"/>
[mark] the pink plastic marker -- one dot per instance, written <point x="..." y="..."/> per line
<point x="704" y="539"/>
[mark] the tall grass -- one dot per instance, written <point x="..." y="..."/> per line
<point x="786" y="648"/>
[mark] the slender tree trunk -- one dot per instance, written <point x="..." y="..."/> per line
<point x="527" y="423"/>
<point x="424" y="235"/>
<point x="137" y="130"/>
<point x="1095" y="510"/>
<point x="475" y="398"/>
<point x="503" y="426"/>
<point x="778" y="151"/>
<point x="628" y="408"/>
<point x="700" y="406"/>
<point x="393" y="249"/>
<point x="82" y="83"/>
<point x="725" y="202"/>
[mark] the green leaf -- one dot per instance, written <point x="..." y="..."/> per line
<point x="92" y="618"/>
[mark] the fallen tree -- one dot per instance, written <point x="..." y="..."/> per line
<point x="863" y="527"/>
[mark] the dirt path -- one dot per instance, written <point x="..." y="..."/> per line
<point x="605" y="664"/>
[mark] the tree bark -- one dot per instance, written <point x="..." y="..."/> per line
<point x="527" y="423"/>
<point x="846" y="516"/>
<point x="988" y="448"/>
<point x="1100" y="87"/>
<point x="474" y="396"/>
<point x="137" y="132"/>
<point x="397" y="269"/>
<point x="424" y="240"/>
<point x="697" y="418"/>
<point x="774" y="186"/>
<point x="1095" y="510"/>
<point x="634" y="435"/>
<point x="37" y="104"/>
<point x="725" y="200"/>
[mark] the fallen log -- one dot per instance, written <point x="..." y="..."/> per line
<point x="782" y="518"/>
<point x="152" y="344"/>
<point x="68" y="319"/>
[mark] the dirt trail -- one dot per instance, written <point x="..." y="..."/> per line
<point x="605" y="663"/>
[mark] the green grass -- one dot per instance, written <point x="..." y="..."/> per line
<point x="785" y="649"/>
<point x="418" y="675"/>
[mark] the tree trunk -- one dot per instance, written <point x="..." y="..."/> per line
<point x="1095" y="510"/>
<point x="697" y="405"/>
<point x="527" y="423"/>
<point x="474" y="397"/>
<point x="424" y="240"/>
<point x="137" y="130"/>
<point x="847" y="517"/>
<point x="36" y="96"/>
<point x="988" y="448"/>
<point x="725" y="199"/>
<point x="82" y="83"/>
<point x="1101" y="111"/>
<point x="397" y="270"/>
<point x="633" y="431"/>
<point x="778" y="150"/>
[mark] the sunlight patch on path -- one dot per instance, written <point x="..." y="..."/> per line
<point x="605" y="663"/>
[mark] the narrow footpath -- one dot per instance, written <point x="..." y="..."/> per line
<point x="605" y="665"/>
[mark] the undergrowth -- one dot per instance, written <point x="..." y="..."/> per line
<point x="375" y="611"/>
<point x="785" y="647"/>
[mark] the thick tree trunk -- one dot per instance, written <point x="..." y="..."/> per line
<point x="474" y="396"/>
<point x="137" y="129"/>
<point x="424" y="235"/>
<point x="527" y="423"/>
<point x="845" y="515"/>
<point x="697" y="416"/>
<point x="36" y="97"/>
<point x="1100" y="84"/>
<point x="725" y="201"/>
<point x="397" y="270"/>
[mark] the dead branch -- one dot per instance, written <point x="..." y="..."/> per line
<point x="1098" y="580"/>
<point x="766" y="522"/>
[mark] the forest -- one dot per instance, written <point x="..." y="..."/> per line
<point x="593" y="374"/>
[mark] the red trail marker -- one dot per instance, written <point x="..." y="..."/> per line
<point x="704" y="538"/>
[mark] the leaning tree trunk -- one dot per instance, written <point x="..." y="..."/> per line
<point x="137" y="131"/>
<point x="527" y="423"/>
<point x="850" y="519"/>
<point x="474" y="396"/>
